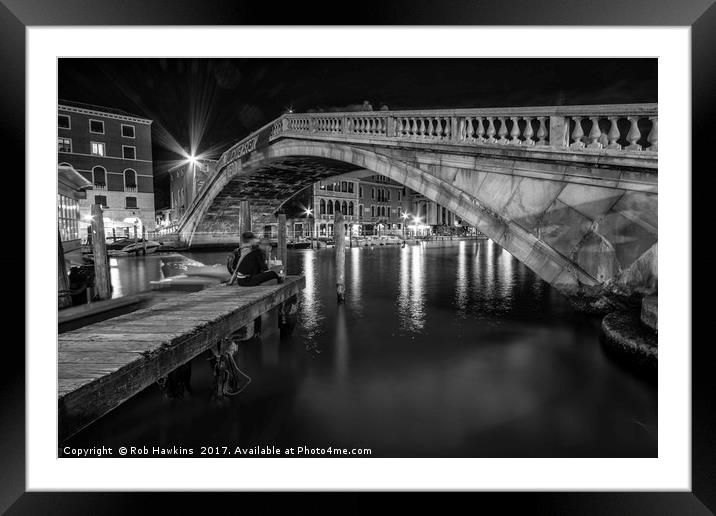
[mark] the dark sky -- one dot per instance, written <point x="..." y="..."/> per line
<point x="232" y="97"/>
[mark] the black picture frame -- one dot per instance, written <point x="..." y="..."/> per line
<point x="700" y="15"/>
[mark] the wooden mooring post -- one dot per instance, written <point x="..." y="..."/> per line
<point x="245" y="216"/>
<point x="281" y="251"/>
<point x="339" y="235"/>
<point x="99" y="251"/>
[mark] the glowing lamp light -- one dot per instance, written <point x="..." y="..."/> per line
<point x="308" y="212"/>
<point x="405" y="216"/>
<point x="191" y="159"/>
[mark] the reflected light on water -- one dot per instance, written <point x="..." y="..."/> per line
<point x="461" y="286"/>
<point x="355" y="295"/>
<point x="309" y="308"/>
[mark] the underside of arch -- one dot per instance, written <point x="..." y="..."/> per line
<point x="270" y="176"/>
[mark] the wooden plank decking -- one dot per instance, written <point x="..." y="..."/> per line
<point x="102" y="365"/>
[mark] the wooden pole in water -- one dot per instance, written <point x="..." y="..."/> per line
<point x="339" y="235"/>
<point x="99" y="250"/>
<point x="281" y="251"/>
<point x="245" y="216"/>
<point x="63" y="282"/>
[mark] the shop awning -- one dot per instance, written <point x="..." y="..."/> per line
<point x="70" y="182"/>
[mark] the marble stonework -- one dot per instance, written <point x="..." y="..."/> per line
<point x="584" y="222"/>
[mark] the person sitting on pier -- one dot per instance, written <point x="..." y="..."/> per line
<point x="252" y="263"/>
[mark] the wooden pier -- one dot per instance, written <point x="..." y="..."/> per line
<point x="102" y="365"/>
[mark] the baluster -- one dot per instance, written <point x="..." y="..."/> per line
<point x="466" y="129"/>
<point x="461" y="129"/>
<point x="404" y="127"/>
<point x="515" y="132"/>
<point x="633" y="135"/>
<point x="421" y="128"/>
<point x="542" y="131"/>
<point x="614" y="134"/>
<point x="594" y="134"/>
<point x="653" y="137"/>
<point x="491" y="130"/>
<point x="447" y="129"/>
<point x="370" y="123"/>
<point x="528" y="132"/>
<point x="577" y="134"/>
<point x="480" y="130"/>
<point x="429" y="131"/>
<point x="413" y="127"/>
<point x="502" y="133"/>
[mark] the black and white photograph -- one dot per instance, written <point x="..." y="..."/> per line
<point x="357" y="257"/>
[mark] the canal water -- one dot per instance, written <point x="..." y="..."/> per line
<point x="449" y="349"/>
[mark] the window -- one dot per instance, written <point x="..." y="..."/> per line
<point x="99" y="175"/>
<point x="64" y="145"/>
<point x="350" y="187"/>
<point x="360" y="191"/>
<point x="128" y="131"/>
<point x="344" y="208"/>
<point x="338" y="207"/>
<point x="101" y="200"/>
<point x="388" y="194"/>
<point x="96" y="126"/>
<point x="382" y="211"/>
<point x="372" y="193"/>
<point x="330" y="208"/>
<point x="63" y="121"/>
<point x="129" y="152"/>
<point x="387" y="212"/>
<point x="329" y="187"/>
<point x="360" y="211"/>
<point x="322" y="204"/>
<point x="350" y="209"/>
<point x="97" y="149"/>
<point x="68" y="215"/>
<point x="344" y="186"/>
<point x="399" y="195"/>
<point x="130" y="178"/>
<point x="372" y="210"/>
<point x="131" y="202"/>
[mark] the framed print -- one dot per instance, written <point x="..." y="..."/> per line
<point x="385" y="257"/>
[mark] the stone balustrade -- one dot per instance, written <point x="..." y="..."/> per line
<point x="624" y="127"/>
<point x="614" y="129"/>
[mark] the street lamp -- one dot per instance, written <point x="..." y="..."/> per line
<point x="405" y="216"/>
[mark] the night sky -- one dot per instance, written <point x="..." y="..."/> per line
<point x="224" y="99"/>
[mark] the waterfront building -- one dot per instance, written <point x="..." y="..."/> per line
<point x="71" y="190"/>
<point x="382" y="203"/>
<point x="112" y="149"/>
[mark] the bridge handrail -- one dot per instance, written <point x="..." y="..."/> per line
<point x="556" y="127"/>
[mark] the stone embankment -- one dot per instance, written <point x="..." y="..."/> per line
<point x="632" y="338"/>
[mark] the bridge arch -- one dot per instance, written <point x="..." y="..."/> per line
<point x="526" y="247"/>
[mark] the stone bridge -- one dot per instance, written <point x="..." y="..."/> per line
<point x="570" y="191"/>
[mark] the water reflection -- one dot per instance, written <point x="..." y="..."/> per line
<point x="519" y="375"/>
<point x="310" y="308"/>
<point x="411" y="300"/>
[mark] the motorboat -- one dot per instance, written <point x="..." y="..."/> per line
<point x="147" y="247"/>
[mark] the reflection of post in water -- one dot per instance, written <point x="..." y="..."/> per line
<point x="341" y="349"/>
<point x="287" y="312"/>
<point x="229" y="380"/>
<point x="177" y="384"/>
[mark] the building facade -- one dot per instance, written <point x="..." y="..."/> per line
<point x="113" y="150"/>
<point x="71" y="190"/>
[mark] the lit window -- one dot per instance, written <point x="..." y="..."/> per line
<point x="64" y="145"/>
<point x="129" y="152"/>
<point x="128" y="131"/>
<point x="63" y="121"/>
<point x="98" y="149"/>
<point x="96" y="126"/>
